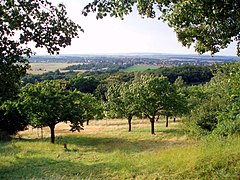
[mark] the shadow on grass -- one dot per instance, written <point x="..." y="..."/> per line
<point x="7" y="147"/>
<point x="47" y="168"/>
<point x="105" y="144"/>
<point x="110" y="144"/>
<point x="173" y="132"/>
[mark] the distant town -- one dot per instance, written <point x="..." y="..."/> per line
<point x="102" y="62"/>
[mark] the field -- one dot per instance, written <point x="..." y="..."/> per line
<point x="40" y="68"/>
<point x="106" y="150"/>
<point x="140" y="68"/>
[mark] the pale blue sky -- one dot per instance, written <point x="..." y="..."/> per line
<point x="133" y="34"/>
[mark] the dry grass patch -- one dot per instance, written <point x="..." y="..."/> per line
<point x="40" y="68"/>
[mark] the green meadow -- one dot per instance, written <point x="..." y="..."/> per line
<point x="106" y="150"/>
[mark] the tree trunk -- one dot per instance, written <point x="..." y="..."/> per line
<point x="152" y="126"/>
<point x="87" y="122"/>
<point x="167" y="121"/>
<point x="130" y="123"/>
<point x="41" y="132"/>
<point x="52" y="127"/>
<point x="174" y="119"/>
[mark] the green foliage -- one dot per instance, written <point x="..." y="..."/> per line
<point x="140" y="68"/>
<point x="216" y="109"/>
<point x="57" y="75"/>
<point x="209" y="25"/>
<point x="156" y="95"/>
<point x="109" y="79"/>
<point x="190" y="74"/>
<point x="152" y="93"/>
<point x="38" y="21"/>
<point x="120" y="101"/>
<point x="34" y="21"/>
<point x="11" y="119"/>
<point x="99" y="66"/>
<point x="22" y="22"/>
<point x="84" y="84"/>
<point x="49" y="102"/>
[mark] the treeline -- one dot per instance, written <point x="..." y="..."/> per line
<point x="190" y="74"/>
<point x="99" y="66"/>
<point x="97" y="82"/>
<point x="35" y="78"/>
<point x="211" y="107"/>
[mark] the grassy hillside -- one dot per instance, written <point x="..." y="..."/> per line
<point x="105" y="150"/>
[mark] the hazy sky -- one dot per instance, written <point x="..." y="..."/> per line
<point x="112" y="35"/>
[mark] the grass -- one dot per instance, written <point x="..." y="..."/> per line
<point x="140" y="68"/>
<point x="105" y="150"/>
<point x="40" y="68"/>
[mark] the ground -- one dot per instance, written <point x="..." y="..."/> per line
<point x="106" y="150"/>
<point x="40" y="68"/>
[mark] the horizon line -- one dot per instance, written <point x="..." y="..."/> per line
<point x="135" y="53"/>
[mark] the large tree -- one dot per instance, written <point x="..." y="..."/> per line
<point x="49" y="102"/>
<point x="155" y="95"/>
<point x="121" y="102"/>
<point x="23" y="22"/>
<point x="209" y="25"/>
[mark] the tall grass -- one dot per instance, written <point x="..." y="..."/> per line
<point x="107" y="151"/>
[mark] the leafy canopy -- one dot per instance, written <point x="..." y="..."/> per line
<point x="209" y="25"/>
<point x="215" y="105"/>
<point x="23" y="22"/>
<point x="49" y="102"/>
<point x="120" y="100"/>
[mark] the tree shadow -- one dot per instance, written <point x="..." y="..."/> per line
<point x="7" y="147"/>
<point x="47" y="168"/>
<point x="108" y="144"/>
<point x="173" y="132"/>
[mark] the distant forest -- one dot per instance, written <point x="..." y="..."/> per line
<point x="189" y="73"/>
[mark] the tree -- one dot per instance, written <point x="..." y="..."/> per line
<point x="121" y="102"/>
<point x="154" y="95"/>
<point x="47" y="103"/>
<point x="93" y="108"/>
<point x="11" y="119"/>
<point x="181" y="101"/>
<point x="215" y="110"/>
<point x="23" y="22"/>
<point x="84" y="84"/>
<point x="209" y="25"/>
<point x="176" y="104"/>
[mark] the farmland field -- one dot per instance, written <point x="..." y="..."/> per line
<point x="40" y="68"/>
<point x="106" y="150"/>
<point x="140" y="68"/>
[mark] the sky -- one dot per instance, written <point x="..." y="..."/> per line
<point x="131" y="35"/>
